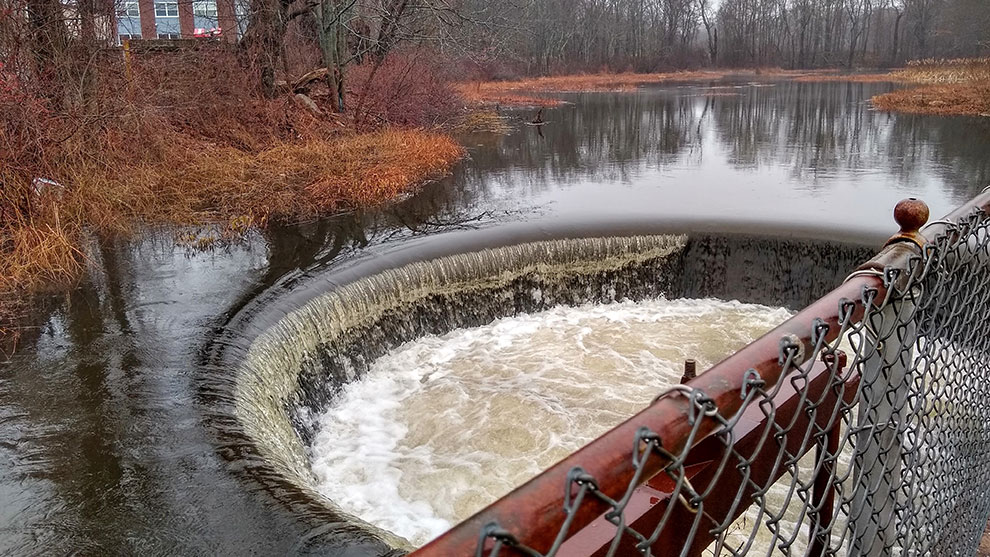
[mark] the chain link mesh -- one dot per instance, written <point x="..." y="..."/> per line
<point x="876" y="444"/>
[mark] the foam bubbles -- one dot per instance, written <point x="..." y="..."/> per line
<point x="444" y="425"/>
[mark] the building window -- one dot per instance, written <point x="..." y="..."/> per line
<point x="129" y="38"/>
<point x="166" y="9"/>
<point x="129" y="9"/>
<point x="168" y="35"/>
<point x="205" y="9"/>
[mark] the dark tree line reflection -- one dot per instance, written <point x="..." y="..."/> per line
<point x="813" y="129"/>
<point x="823" y="134"/>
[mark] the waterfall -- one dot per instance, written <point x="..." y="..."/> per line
<point x="294" y="370"/>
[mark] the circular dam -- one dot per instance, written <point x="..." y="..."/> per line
<point x="390" y="399"/>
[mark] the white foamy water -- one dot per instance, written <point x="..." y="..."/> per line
<point x="443" y="426"/>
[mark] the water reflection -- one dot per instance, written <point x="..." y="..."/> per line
<point x="722" y="150"/>
<point x="771" y="152"/>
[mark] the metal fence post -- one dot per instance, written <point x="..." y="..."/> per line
<point x="880" y="421"/>
<point x="879" y="424"/>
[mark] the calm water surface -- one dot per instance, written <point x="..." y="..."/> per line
<point x="104" y="445"/>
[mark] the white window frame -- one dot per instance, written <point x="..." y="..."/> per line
<point x="205" y="8"/>
<point x="129" y="9"/>
<point x="169" y="36"/>
<point x="166" y="9"/>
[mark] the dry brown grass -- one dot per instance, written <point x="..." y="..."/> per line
<point x="485" y="95"/>
<point x="521" y="92"/>
<point x="951" y="87"/>
<point x="212" y="184"/>
<point x="180" y="184"/>
<point x="781" y="73"/>
<point x="944" y="100"/>
<point x="304" y="179"/>
<point x="885" y="77"/>
<point x="525" y="92"/>
<point x="482" y="121"/>
<point x="958" y="70"/>
<point x="928" y="71"/>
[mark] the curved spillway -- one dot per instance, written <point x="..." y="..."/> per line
<point x="294" y="370"/>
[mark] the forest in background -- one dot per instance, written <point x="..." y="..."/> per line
<point x="509" y="39"/>
<point x="565" y="36"/>
<point x="306" y="107"/>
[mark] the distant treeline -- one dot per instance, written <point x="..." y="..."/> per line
<point x="559" y="36"/>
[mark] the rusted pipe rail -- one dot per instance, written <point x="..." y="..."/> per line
<point x="826" y="386"/>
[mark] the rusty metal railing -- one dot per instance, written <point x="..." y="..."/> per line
<point x="826" y="435"/>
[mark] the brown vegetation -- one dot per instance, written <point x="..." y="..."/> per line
<point x="185" y="139"/>
<point x="960" y="86"/>
<point x="484" y="96"/>
<point x="524" y="92"/>
<point x="955" y="99"/>
<point x="957" y="70"/>
<point x="520" y="92"/>
<point x="484" y="121"/>
<point x="849" y="77"/>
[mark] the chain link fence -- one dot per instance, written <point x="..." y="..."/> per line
<point x="860" y="427"/>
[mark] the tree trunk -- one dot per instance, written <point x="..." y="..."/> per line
<point x="263" y="40"/>
<point x="49" y="38"/>
<point x="332" y="18"/>
<point x="897" y="36"/>
<point x="388" y="33"/>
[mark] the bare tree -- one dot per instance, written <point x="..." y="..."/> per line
<point x="710" y="30"/>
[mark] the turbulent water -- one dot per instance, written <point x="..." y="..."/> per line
<point x="443" y="425"/>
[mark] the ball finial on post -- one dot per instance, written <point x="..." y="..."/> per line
<point x="910" y="214"/>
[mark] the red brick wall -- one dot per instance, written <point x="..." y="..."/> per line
<point x="148" y="29"/>
<point x="186" y="24"/>
<point x="227" y="19"/>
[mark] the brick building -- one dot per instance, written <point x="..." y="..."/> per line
<point x="177" y="19"/>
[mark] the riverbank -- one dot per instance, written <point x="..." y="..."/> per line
<point x="188" y="136"/>
<point x="538" y="91"/>
<point x="942" y="100"/>
<point x="958" y="87"/>
<point x="191" y="183"/>
<point x="947" y="87"/>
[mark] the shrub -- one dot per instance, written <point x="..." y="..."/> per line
<point x="410" y="88"/>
